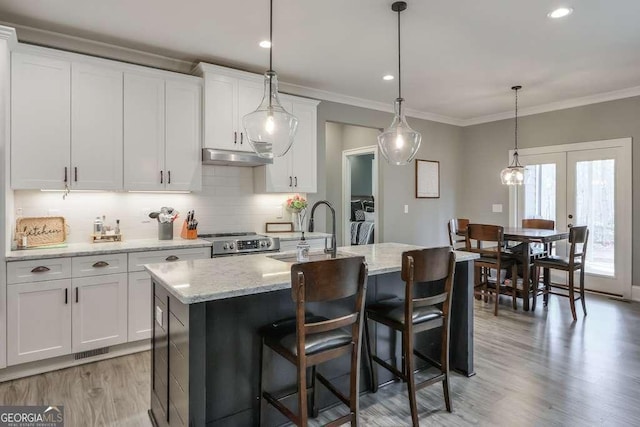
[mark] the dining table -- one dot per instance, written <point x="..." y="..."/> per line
<point x="529" y="236"/>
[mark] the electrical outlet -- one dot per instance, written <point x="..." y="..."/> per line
<point x="406" y="208"/>
<point x="280" y="213"/>
<point x="19" y="212"/>
<point x="497" y="208"/>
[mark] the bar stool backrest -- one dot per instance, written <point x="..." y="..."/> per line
<point x="480" y="234"/>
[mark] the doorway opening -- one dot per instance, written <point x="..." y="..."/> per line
<point x="360" y="196"/>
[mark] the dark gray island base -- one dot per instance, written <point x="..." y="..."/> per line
<point x="205" y="355"/>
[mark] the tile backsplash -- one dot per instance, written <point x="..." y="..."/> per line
<point x="226" y="203"/>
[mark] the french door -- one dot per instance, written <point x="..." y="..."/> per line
<point x="584" y="184"/>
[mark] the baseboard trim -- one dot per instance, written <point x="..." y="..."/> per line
<point x="635" y="293"/>
<point x="67" y="361"/>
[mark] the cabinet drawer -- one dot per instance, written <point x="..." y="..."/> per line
<point x="137" y="260"/>
<point x="38" y="270"/>
<point x="97" y="265"/>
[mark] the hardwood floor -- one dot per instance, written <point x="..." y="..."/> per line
<point x="536" y="369"/>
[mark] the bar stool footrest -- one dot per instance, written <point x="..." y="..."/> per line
<point x="332" y="389"/>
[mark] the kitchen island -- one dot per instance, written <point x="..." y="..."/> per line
<point x="206" y="347"/>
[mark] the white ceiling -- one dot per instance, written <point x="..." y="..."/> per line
<point x="459" y="57"/>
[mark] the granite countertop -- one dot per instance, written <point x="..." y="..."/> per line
<point x="77" y="249"/>
<point x="296" y="235"/>
<point x="227" y="277"/>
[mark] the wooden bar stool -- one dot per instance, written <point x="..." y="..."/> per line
<point x="457" y="228"/>
<point x="311" y="340"/>
<point x="492" y="257"/>
<point x="413" y="315"/>
<point x="578" y="238"/>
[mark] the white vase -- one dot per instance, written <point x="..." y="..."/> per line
<point x="298" y="219"/>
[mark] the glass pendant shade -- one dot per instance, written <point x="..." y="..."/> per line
<point x="270" y="128"/>
<point x="513" y="175"/>
<point x="399" y="143"/>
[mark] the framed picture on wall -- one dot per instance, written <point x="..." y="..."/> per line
<point x="427" y="179"/>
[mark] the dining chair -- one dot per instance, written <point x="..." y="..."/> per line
<point x="309" y="340"/>
<point x="578" y="238"/>
<point x="488" y="241"/>
<point x="457" y="228"/>
<point x="411" y="315"/>
<point x="538" y="250"/>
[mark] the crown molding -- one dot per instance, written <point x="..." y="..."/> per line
<point x="8" y="34"/>
<point x="555" y="106"/>
<point x="55" y="40"/>
<point x="325" y="95"/>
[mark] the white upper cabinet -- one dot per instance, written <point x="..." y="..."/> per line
<point x="162" y="133"/>
<point x="296" y="171"/>
<point x="144" y="136"/>
<point x="96" y="127"/>
<point x="221" y="118"/>
<point x="228" y="96"/>
<point x="40" y="121"/>
<point x="183" y="135"/>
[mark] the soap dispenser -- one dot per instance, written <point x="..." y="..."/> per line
<point x="302" y="250"/>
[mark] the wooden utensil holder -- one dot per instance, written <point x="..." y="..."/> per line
<point x="185" y="233"/>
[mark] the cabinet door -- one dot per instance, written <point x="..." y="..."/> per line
<point x="249" y="96"/>
<point x="40" y="121"/>
<point x="139" y="323"/>
<point x="143" y="132"/>
<point x="99" y="311"/>
<point x="96" y="127"/>
<point x="221" y="110"/>
<point x="38" y="321"/>
<point x="304" y="150"/>
<point x="183" y="136"/>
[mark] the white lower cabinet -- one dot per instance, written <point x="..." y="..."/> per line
<point x="99" y="311"/>
<point x="38" y="320"/>
<point x="139" y="306"/>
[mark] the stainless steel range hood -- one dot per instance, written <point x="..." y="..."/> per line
<point x="214" y="156"/>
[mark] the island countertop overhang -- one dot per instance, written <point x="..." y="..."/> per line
<point x="203" y="280"/>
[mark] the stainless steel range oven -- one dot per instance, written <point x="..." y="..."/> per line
<point x="242" y="243"/>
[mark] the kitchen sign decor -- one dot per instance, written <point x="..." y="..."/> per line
<point x="40" y="231"/>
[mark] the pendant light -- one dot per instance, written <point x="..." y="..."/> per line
<point x="399" y="143"/>
<point x="514" y="173"/>
<point x="270" y="128"/>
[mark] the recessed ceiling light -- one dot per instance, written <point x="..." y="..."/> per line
<point x="265" y="44"/>
<point x="560" y="12"/>
<point x="388" y="77"/>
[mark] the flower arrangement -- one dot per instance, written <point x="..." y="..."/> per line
<point x="297" y="204"/>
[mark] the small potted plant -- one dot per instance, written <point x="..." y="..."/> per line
<point x="297" y="205"/>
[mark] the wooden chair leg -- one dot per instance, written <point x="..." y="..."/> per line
<point x="313" y="409"/>
<point x="514" y="284"/>
<point x="404" y="359"/>
<point x="535" y="278"/>
<point x="572" y="300"/>
<point x="496" y="294"/>
<point x="302" y="395"/>
<point x="354" y="377"/>
<point x="485" y="281"/>
<point x="411" y="385"/>
<point x="546" y="277"/>
<point x="445" y="387"/>
<point x="373" y="373"/>
<point x="584" y="302"/>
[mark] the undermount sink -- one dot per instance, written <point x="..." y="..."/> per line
<point x="313" y="256"/>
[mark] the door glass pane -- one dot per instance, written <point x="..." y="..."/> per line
<point x="540" y="192"/>
<point x="595" y="208"/>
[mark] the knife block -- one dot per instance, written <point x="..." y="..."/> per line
<point x="185" y="233"/>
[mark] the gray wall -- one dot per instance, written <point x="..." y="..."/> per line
<point x="486" y="153"/>
<point x="425" y="222"/>
<point x="361" y="171"/>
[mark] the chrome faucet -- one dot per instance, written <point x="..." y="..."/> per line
<point x="331" y="250"/>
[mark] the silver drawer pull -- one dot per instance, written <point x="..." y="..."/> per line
<point x="100" y="264"/>
<point x="171" y="258"/>
<point x="40" y="269"/>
